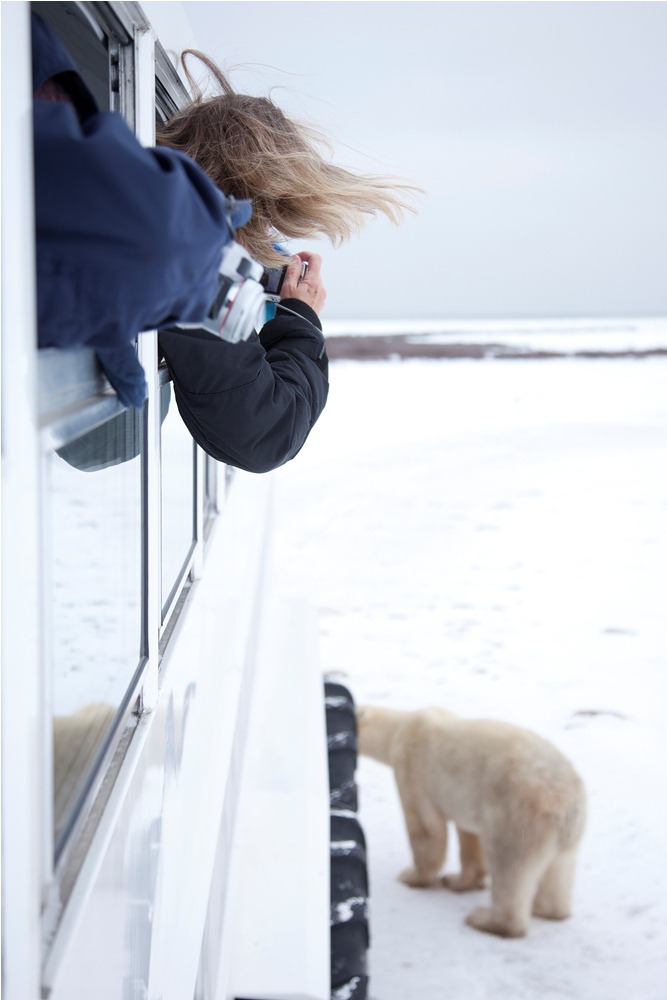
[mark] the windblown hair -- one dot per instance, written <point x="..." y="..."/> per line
<point x="251" y="149"/>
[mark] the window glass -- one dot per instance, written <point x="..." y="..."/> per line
<point x="177" y="492"/>
<point x="93" y="494"/>
<point x="88" y="51"/>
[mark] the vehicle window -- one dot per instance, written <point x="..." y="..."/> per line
<point x="177" y="494"/>
<point x="93" y="489"/>
<point x="97" y="579"/>
<point x="87" y="47"/>
<point x="92" y="503"/>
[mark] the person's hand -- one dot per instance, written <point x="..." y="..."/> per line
<point x="308" y="289"/>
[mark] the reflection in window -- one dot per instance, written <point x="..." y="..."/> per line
<point x="94" y="597"/>
<point x="177" y="492"/>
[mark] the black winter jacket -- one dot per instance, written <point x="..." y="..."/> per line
<point x="251" y="404"/>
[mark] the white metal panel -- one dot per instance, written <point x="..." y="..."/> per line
<point x="136" y="921"/>
<point x="23" y="819"/>
<point x="281" y="898"/>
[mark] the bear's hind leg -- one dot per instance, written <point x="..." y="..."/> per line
<point x="554" y="891"/>
<point x="473" y="867"/>
<point x="513" y="886"/>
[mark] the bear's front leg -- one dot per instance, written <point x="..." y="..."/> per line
<point x="427" y="831"/>
<point x="410" y="876"/>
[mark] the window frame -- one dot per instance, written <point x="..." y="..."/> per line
<point x="74" y="397"/>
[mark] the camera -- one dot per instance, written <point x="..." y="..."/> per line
<point x="236" y="310"/>
<point x="244" y="288"/>
<point x="238" y="307"/>
<point x="272" y="280"/>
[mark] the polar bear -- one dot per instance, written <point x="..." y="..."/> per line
<point x="518" y="805"/>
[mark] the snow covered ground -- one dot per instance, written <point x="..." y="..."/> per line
<point x="492" y="536"/>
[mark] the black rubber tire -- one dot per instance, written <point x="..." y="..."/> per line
<point x="349" y="871"/>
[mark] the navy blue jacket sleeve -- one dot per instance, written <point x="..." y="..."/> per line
<point x="251" y="404"/>
<point x="127" y="238"/>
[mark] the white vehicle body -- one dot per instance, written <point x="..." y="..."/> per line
<point x="182" y="851"/>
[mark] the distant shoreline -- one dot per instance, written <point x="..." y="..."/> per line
<point x="402" y="346"/>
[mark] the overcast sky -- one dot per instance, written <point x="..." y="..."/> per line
<point x="538" y="129"/>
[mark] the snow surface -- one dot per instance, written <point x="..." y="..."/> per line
<point x="491" y="536"/>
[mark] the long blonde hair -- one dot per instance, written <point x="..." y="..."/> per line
<point x="251" y="149"/>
